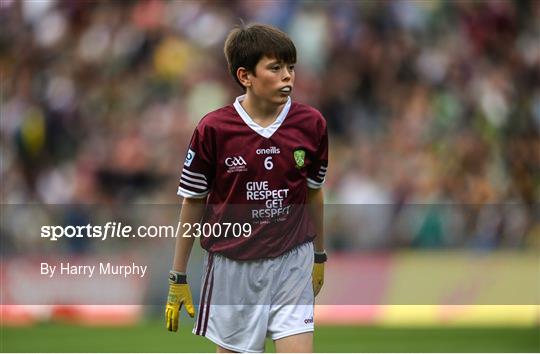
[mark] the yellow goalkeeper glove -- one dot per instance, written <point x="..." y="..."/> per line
<point x="317" y="276"/>
<point x="179" y="293"/>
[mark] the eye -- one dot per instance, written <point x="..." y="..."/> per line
<point x="291" y="67"/>
<point x="275" y="67"/>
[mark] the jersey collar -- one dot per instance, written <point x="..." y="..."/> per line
<point x="269" y="130"/>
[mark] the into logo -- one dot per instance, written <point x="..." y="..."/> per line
<point x="235" y="161"/>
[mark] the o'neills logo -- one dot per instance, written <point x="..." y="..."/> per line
<point x="270" y="151"/>
<point x="308" y="320"/>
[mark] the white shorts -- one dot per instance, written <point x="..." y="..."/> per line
<point x="243" y="302"/>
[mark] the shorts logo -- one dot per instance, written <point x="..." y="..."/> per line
<point x="189" y="157"/>
<point x="299" y="157"/>
<point x="236" y="164"/>
<point x="308" y="320"/>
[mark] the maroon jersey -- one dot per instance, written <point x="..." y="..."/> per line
<point x="257" y="175"/>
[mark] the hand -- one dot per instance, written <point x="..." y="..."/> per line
<point x="317" y="277"/>
<point x="178" y="294"/>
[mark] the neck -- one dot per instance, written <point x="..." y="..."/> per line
<point x="263" y="113"/>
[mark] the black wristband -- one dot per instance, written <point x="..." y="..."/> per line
<point x="320" y="257"/>
<point x="177" y="277"/>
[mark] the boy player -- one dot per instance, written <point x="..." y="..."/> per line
<point x="264" y="157"/>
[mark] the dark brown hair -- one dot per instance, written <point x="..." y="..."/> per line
<point x="246" y="45"/>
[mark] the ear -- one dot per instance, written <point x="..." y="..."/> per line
<point x="244" y="76"/>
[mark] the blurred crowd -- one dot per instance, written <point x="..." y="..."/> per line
<point x="433" y="108"/>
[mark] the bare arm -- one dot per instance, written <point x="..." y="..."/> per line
<point x="315" y="200"/>
<point x="192" y="212"/>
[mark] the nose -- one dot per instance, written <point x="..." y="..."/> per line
<point x="287" y="75"/>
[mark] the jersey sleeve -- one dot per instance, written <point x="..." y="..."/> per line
<point x="317" y="170"/>
<point x="197" y="172"/>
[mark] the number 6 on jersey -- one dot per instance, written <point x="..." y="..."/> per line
<point x="268" y="164"/>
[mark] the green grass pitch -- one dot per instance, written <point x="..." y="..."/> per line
<point x="152" y="337"/>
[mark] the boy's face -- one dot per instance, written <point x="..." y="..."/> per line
<point x="273" y="80"/>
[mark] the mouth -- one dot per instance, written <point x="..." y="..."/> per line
<point x="286" y="90"/>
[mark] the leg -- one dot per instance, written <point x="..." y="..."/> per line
<point x="223" y="350"/>
<point x="297" y="343"/>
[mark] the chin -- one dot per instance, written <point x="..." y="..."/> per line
<point x="282" y="99"/>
